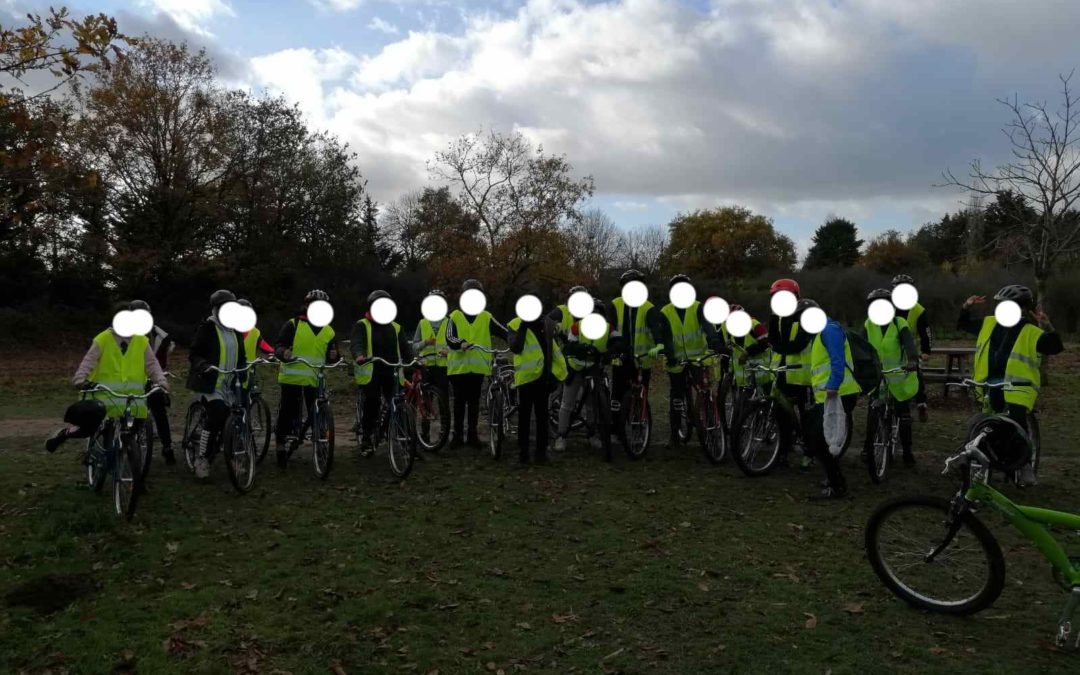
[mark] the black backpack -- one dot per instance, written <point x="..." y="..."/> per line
<point x="866" y="365"/>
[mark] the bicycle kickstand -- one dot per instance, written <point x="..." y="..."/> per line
<point x="1065" y="624"/>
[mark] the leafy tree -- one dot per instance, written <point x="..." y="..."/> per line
<point x="889" y="253"/>
<point x="726" y="243"/>
<point x="944" y="242"/>
<point x="836" y="244"/>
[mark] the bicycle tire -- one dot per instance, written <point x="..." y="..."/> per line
<point x="398" y="451"/>
<point x="96" y="467"/>
<point x="710" y="429"/>
<point x="995" y="562"/>
<point x="240" y="454"/>
<point x="147" y="446"/>
<point x="262" y="427"/>
<point x="193" y="426"/>
<point x="753" y="417"/>
<point x="1035" y="434"/>
<point x="496" y="421"/>
<point x="127" y="480"/>
<point x="636" y="414"/>
<point x="726" y="401"/>
<point x="602" y="406"/>
<point x="879" y="455"/>
<point x="322" y="439"/>
<point x="433" y="403"/>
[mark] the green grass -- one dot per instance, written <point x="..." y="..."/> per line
<point x="665" y="565"/>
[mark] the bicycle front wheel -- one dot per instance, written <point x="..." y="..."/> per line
<point x="432" y="418"/>
<point x="322" y="439"/>
<point x="193" y="428"/>
<point x="240" y="454"/>
<point x="879" y="454"/>
<point x="966" y="576"/>
<point x="710" y="428"/>
<point x="399" y="445"/>
<point x="127" y="482"/>
<point x="637" y="423"/>
<point x="756" y="440"/>
<point x="262" y="427"/>
<point x="496" y="422"/>
<point x="96" y="465"/>
<point x="146" y="447"/>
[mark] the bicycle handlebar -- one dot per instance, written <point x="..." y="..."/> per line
<point x="1004" y="385"/>
<point x="488" y="350"/>
<point x="314" y="366"/>
<point x="701" y="359"/>
<point x="971" y="450"/>
<point x="246" y="368"/>
<point x="102" y="388"/>
<point x="378" y="359"/>
<point x="770" y="369"/>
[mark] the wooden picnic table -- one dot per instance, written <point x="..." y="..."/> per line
<point x="956" y="366"/>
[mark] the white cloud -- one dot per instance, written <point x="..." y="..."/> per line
<point x="383" y="26"/>
<point x="631" y="206"/>
<point x="191" y="15"/>
<point x="790" y="106"/>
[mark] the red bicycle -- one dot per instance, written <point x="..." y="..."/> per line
<point x="636" y="415"/>
<point x="430" y="409"/>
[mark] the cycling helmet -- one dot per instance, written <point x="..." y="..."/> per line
<point x="879" y="294"/>
<point x="316" y="294"/>
<point x="1007" y="445"/>
<point x="902" y="279"/>
<point x="598" y="306"/>
<point x="245" y="302"/>
<point x="471" y="284"/>
<point x="121" y="306"/>
<point x="1021" y="295"/>
<point x="219" y="298"/>
<point x="784" y="285"/>
<point x="630" y="275"/>
<point x="804" y="304"/>
<point x="437" y="292"/>
<point x="736" y="307"/>
<point x="375" y="295"/>
<point x="139" y="304"/>
<point x="678" y="278"/>
<point x="578" y="289"/>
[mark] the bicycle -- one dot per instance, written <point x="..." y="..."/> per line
<point x="700" y="410"/>
<point x="320" y="421"/>
<point x="1033" y="431"/>
<point x="949" y="546"/>
<point x="397" y="419"/>
<point x="883" y="426"/>
<point x="756" y="436"/>
<point x="259" y="417"/>
<point x="592" y="410"/>
<point x="635" y="413"/>
<point x="238" y="434"/>
<point x="120" y="459"/>
<point x="501" y="398"/>
<point x="431" y="408"/>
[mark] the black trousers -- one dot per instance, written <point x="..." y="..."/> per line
<point x="818" y="446"/>
<point x="621" y="377"/>
<point x="920" y="396"/>
<point x="466" y="396"/>
<point x="158" y="404"/>
<point x="217" y="411"/>
<point x="676" y="392"/>
<point x="293" y="396"/>
<point x="533" y="403"/>
<point x="903" y="411"/>
<point x="799" y="395"/>
<point x="382" y="387"/>
<point x="437" y="376"/>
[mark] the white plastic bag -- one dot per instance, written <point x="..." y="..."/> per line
<point x="835" y="425"/>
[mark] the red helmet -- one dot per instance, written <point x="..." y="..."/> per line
<point x="784" y="285"/>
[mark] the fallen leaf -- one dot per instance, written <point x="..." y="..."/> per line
<point x="186" y="586"/>
<point x="811" y="621"/>
<point x="938" y="651"/>
<point x="854" y="608"/>
<point x="524" y="625"/>
<point x="336" y="668"/>
<point x="172" y="546"/>
<point x="252" y="595"/>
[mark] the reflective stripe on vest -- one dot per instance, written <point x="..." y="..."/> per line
<point x="821" y="369"/>
<point x="687" y="335"/>
<point x="435" y="352"/>
<point x="529" y="364"/>
<point x="902" y="386"/>
<point x="1025" y="362"/>
<point x="308" y="345"/>
<point x="476" y="332"/>
<point x="122" y="371"/>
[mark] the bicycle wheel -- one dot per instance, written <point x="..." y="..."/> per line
<point x="95" y="460"/>
<point x="637" y="423"/>
<point x="322" y="439"/>
<point x="879" y="454"/>
<point x="963" y="578"/>
<point x="756" y="442"/>
<point x="262" y="427"/>
<point x="358" y="419"/>
<point x="1036" y="442"/>
<point x="127" y="483"/>
<point x="496" y="421"/>
<point x="433" y="418"/>
<point x="240" y="454"/>
<point x="602" y="412"/>
<point x="685" y="428"/>
<point x="146" y="446"/>
<point x="193" y="427"/>
<point x="710" y="428"/>
<point x="398" y="445"/>
<point x="727" y="400"/>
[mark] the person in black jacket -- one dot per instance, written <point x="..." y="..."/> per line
<point x="784" y="346"/>
<point x="388" y="342"/>
<point x="533" y="395"/>
<point x="214" y="345"/>
<point x="158" y="403"/>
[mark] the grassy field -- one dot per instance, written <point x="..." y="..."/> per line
<point x="665" y="565"/>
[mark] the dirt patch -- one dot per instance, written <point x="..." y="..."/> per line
<point x="50" y="593"/>
<point x="41" y="427"/>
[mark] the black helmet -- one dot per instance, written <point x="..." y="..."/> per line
<point x="245" y="302"/>
<point x="880" y="294"/>
<point x="316" y="294"/>
<point x="735" y="307"/>
<point x="578" y="289"/>
<point x="471" y="284"/>
<point x="902" y="279"/>
<point x="630" y="275"/>
<point x="678" y="278"/>
<point x="140" y="304"/>
<point x="1008" y="446"/>
<point x="437" y="292"/>
<point x="375" y="295"/>
<point x="121" y="306"/>
<point x="219" y="298"/>
<point x="1021" y="295"/>
<point x="804" y="304"/>
<point x="598" y="306"/>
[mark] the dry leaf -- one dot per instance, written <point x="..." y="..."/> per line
<point x="938" y="651"/>
<point x="811" y="621"/>
<point x="854" y="608"/>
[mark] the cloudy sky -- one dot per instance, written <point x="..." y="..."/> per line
<point x="796" y="108"/>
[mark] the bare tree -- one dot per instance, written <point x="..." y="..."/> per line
<point x="643" y="248"/>
<point x="403" y="225"/>
<point x="597" y="243"/>
<point x="1045" y="171"/>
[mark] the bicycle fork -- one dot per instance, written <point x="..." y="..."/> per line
<point x="1065" y="623"/>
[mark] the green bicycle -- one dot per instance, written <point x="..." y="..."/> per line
<point x="758" y="407"/>
<point x="935" y="554"/>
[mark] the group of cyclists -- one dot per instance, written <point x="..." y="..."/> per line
<point x="811" y="361"/>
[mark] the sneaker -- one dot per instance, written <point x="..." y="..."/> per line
<point x="167" y="453"/>
<point x="53" y="442"/>
<point x="560" y="444"/>
<point x="924" y="414"/>
<point x="202" y="467"/>
<point x="1027" y="476"/>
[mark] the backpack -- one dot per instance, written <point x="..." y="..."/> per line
<point x="865" y="362"/>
